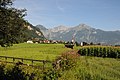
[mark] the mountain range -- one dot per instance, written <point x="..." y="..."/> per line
<point x="81" y="33"/>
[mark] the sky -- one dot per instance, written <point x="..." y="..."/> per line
<point x="99" y="14"/>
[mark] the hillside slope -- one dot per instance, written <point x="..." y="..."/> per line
<point x="33" y="32"/>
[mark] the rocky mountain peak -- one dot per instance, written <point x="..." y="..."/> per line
<point x="59" y="28"/>
<point x="41" y="27"/>
<point x="83" y="26"/>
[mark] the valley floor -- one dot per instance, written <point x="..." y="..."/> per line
<point x="87" y="68"/>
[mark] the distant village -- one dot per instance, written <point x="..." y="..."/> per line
<point x="37" y="40"/>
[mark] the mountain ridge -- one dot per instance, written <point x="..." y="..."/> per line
<point x="83" y="32"/>
<point x="33" y="32"/>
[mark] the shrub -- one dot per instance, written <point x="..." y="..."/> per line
<point x="51" y="74"/>
<point x="66" y="61"/>
<point x="2" y="72"/>
<point x="16" y="73"/>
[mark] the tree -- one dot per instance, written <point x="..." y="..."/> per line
<point x="12" y="24"/>
<point x="4" y="3"/>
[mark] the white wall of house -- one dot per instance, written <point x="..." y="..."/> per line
<point x="29" y="41"/>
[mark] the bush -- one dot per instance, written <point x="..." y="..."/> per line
<point x="16" y="73"/>
<point x="51" y="74"/>
<point x="66" y="61"/>
<point x="2" y="72"/>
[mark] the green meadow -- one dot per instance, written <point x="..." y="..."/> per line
<point x="34" y="51"/>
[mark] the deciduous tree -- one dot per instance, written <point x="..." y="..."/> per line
<point x="12" y="23"/>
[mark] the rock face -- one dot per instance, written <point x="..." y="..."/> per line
<point x="33" y="32"/>
<point x="81" y="33"/>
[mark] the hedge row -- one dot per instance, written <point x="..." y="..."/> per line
<point x="110" y="52"/>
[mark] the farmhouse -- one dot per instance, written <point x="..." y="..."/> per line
<point x="29" y="41"/>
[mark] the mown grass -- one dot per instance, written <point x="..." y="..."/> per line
<point x="34" y="51"/>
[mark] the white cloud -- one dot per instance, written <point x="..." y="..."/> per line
<point x="59" y="6"/>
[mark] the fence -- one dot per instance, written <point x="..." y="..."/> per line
<point x="21" y="61"/>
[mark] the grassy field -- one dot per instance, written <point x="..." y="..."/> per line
<point x="34" y="51"/>
<point x="94" y="68"/>
<point x="87" y="67"/>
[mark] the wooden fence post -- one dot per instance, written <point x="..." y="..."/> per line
<point x="5" y="58"/>
<point x="22" y="60"/>
<point x="32" y="62"/>
<point x="43" y="65"/>
<point x="13" y="59"/>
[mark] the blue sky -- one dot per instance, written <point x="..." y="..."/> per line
<point x="100" y="14"/>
